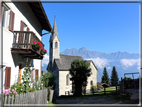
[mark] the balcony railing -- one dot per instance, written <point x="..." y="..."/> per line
<point x="23" y="40"/>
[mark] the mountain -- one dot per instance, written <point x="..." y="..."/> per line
<point x="124" y="62"/>
<point x="85" y="53"/>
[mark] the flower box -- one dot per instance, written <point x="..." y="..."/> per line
<point x="42" y="53"/>
<point x="36" y="49"/>
<point x="36" y="46"/>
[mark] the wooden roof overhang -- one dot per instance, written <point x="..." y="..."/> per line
<point x="39" y="12"/>
<point x="27" y="53"/>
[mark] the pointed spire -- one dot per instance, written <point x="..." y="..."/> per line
<point x="55" y="32"/>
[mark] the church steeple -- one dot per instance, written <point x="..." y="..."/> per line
<point x="54" y="30"/>
<point x="54" y="47"/>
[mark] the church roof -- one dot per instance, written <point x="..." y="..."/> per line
<point x="64" y="63"/>
<point x="89" y="61"/>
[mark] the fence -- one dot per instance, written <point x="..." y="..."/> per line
<point x="37" y="97"/>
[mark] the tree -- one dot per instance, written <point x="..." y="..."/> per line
<point x="105" y="78"/>
<point x="114" y="77"/>
<point x="48" y="79"/>
<point x="79" y="72"/>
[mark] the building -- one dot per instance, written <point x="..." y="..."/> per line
<point x="60" y="64"/>
<point x="22" y="24"/>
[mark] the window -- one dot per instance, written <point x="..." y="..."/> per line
<point x="56" y="44"/>
<point x="91" y="83"/>
<point x="5" y="16"/>
<point x="67" y="80"/>
<point x="25" y="27"/>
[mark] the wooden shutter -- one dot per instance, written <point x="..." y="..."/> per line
<point x="36" y="73"/>
<point x="22" y="26"/>
<point x="11" y="25"/>
<point x="21" y="34"/>
<point x="7" y="77"/>
<point x="28" y="29"/>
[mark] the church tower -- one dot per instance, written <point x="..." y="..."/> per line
<point x="54" y="47"/>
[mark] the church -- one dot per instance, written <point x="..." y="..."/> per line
<point x="59" y="65"/>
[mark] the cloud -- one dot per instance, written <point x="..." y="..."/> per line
<point x="129" y="62"/>
<point x="100" y="63"/>
<point x="108" y="68"/>
<point x="45" y="60"/>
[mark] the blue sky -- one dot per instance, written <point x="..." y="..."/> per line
<point x="102" y="27"/>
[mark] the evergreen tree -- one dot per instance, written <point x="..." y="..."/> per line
<point x="114" y="77"/>
<point x="79" y="72"/>
<point x="105" y="77"/>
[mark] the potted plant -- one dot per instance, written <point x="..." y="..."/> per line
<point x="43" y="51"/>
<point x="36" y="46"/>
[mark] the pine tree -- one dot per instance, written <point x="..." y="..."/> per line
<point x="114" y="77"/>
<point x="105" y="77"/>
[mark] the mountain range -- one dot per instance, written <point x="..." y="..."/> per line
<point x="124" y="62"/>
<point x="85" y="53"/>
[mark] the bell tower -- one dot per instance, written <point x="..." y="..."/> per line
<point x="54" y="44"/>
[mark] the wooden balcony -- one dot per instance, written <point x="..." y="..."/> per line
<point x="22" y="44"/>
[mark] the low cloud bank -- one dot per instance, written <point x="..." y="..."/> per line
<point x="100" y="63"/>
<point x="45" y="60"/>
<point x="130" y="62"/>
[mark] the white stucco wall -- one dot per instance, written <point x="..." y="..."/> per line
<point x="93" y="77"/>
<point x="13" y="60"/>
<point x="62" y="83"/>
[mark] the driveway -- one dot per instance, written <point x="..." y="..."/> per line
<point x="94" y="100"/>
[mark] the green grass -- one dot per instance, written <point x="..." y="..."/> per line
<point x="109" y="91"/>
<point x="54" y="102"/>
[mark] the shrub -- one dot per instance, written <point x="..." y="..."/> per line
<point x="98" y="87"/>
<point x="93" y="88"/>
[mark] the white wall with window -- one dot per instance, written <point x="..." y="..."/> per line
<point x="5" y="16"/>
<point x="10" y="59"/>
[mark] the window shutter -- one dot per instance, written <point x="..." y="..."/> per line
<point x="7" y="77"/>
<point x="28" y="29"/>
<point x="36" y="73"/>
<point x="22" y="26"/>
<point x="12" y="16"/>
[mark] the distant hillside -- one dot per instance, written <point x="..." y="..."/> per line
<point x="85" y="53"/>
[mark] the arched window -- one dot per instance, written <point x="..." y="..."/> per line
<point x="67" y="80"/>
<point x="56" y="44"/>
<point x="91" y="82"/>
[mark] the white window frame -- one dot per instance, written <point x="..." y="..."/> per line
<point x="5" y="16"/>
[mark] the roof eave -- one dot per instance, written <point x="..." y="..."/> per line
<point x="39" y="12"/>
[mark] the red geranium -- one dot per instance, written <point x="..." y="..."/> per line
<point x="44" y="50"/>
<point x="37" y="45"/>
